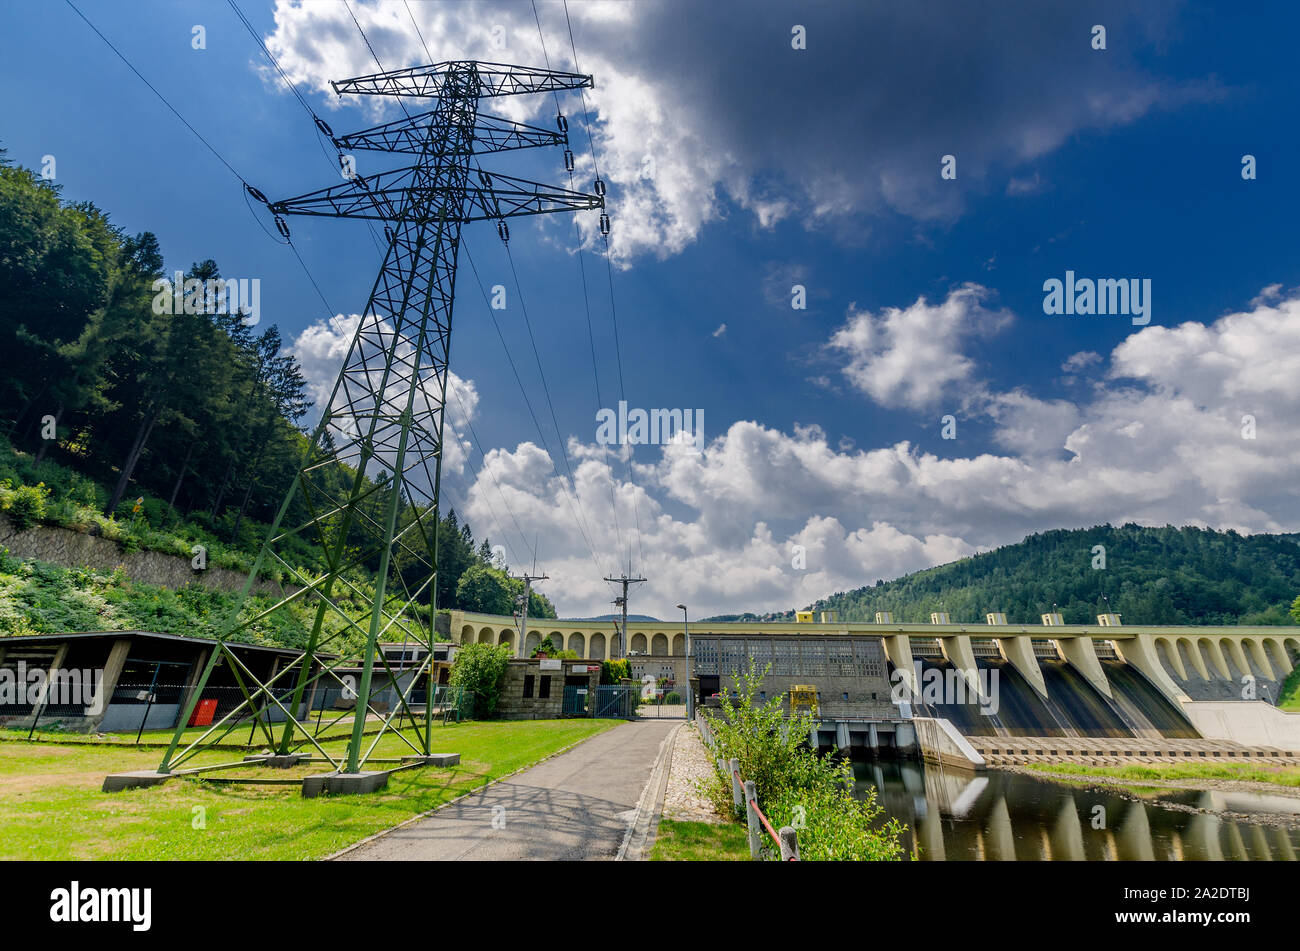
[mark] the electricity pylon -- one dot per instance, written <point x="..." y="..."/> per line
<point x="370" y="478"/>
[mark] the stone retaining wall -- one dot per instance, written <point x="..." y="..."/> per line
<point x="72" y="549"/>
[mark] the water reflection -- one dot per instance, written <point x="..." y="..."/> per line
<point x="1002" y="816"/>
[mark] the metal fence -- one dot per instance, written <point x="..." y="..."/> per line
<point x="784" y="842"/>
<point x="140" y="708"/>
<point x="615" y="702"/>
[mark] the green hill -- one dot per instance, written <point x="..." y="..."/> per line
<point x="1151" y="576"/>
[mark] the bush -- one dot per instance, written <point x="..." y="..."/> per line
<point x="25" y="505"/>
<point x="835" y="826"/>
<point x="481" y="669"/>
<point x="614" y="671"/>
<point x="673" y="697"/>
<point x="794" y="785"/>
<point x="771" y="747"/>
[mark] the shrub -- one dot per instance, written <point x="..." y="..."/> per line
<point x="481" y="669"/>
<point x="770" y="746"/>
<point x="9" y="565"/>
<point x="614" y="671"/>
<point x="672" y="697"/>
<point x="835" y="826"/>
<point x="794" y="785"/>
<point x="25" y="505"/>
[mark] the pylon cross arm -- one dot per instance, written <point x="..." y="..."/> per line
<point x="380" y="197"/>
<point x="493" y="79"/>
<point x="410" y="135"/>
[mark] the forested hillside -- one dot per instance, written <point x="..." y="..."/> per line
<point x="1150" y="576"/>
<point x="159" y="426"/>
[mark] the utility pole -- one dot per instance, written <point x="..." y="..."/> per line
<point x="624" y="580"/>
<point x="528" y="580"/>
<point x="366" y="495"/>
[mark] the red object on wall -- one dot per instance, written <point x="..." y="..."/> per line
<point x="203" y="713"/>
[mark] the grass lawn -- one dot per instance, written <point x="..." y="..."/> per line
<point x="700" y="842"/>
<point x="1246" y="772"/>
<point x="51" y="806"/>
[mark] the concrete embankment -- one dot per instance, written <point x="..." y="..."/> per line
<point x="941" y="742"/>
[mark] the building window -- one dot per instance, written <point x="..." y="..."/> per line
<point x="528" y="685"/>
<point x="545" y="690"/>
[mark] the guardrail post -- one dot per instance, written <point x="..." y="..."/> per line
<point x="751" y="819"/>
<point x="789" y="844"/>
<point x="736" y="791"/>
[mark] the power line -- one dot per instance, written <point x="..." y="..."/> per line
<point x="417" y="30"/>
<point x="529" y="405"/>
<point x="609" y="267"/>
<point x="198" y="135"/>
<point x="321" y="125"/>
<point x="586" y="297"/>
<point x="546" y="390"/>
<point x="248" y="189"/>
<point x="373" y="54"/>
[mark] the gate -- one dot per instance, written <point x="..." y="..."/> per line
<point x="661" y="702"/>
<point x="575" y="702"/>
<point x="616" y="702"/>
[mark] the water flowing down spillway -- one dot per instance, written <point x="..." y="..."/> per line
<point x="1129" y="684"/>
<point x="1021" y="709"/>
<point x="1079" y="705"/>
<point x="1073" y="707"/>
<point x="966" y="717"/>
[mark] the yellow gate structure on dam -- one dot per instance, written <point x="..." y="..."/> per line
<point x="1223" y="680"/>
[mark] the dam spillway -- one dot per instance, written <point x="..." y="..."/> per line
<point x="1072" y="706"/>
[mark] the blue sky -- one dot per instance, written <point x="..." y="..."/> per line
<point x="771" y="167"/>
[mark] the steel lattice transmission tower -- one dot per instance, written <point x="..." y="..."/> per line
<point x="384" y="420"/>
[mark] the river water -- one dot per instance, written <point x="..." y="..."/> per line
<point x="999" y="815"/>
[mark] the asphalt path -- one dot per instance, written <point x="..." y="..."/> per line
<point x="578" y="806"/>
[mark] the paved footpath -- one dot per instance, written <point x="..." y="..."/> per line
<point x="577" y="806"/>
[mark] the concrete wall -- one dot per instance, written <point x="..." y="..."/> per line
<point x="70" y="549"/>
<point x="941" y="742"/>
<point x="1252" y="723"/>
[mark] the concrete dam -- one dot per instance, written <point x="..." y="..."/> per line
<point x="1105" y="680"/>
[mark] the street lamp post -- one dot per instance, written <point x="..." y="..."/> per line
<point x="690" y="690"/>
